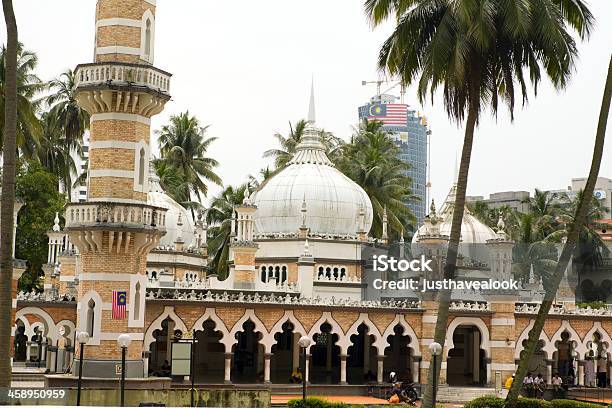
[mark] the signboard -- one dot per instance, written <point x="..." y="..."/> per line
<point x="181" y="359"/>
<point x="600" y="194"/>
<point x="118" y="369"/>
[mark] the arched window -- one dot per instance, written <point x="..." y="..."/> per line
<point x="148" y="38"/>
<point x="89" y="321"/>
<point x="137" y="301"/>
<point x="141" y="167"/>
<point x="283" y="275"/>
<point x="264" y="276"/>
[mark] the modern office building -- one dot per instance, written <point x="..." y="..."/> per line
<point x="410" y="131"/>
<point x="512" y="199"/>
<point x="603" y="190"/>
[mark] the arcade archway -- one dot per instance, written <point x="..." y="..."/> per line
<point x="466" y="362"/>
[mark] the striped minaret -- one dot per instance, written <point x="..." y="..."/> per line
<point x="115" y="228"/>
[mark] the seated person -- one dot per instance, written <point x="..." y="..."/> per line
<point x="296" y="376"/>
<point x="165" y="369"/>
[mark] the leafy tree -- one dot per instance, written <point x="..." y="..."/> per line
<point x="478" y="52"/>
<point x="69" y="116"/>
<point x="28" y="86"/>
<point x="54" y="151"/>
<point x="545" y="206"/>
<point x="371" y="160"/>
<point x="219" y="219"/>
<point x="183" y="145"/>
<point x="37" y="187"/>
<point x="288" y="144"/>
<point x="9" y="100"/>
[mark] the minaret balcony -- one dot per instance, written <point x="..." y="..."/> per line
<point x="110" y="215"/>
<point x="123" y="76"/>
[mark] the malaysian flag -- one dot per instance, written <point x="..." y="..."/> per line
<point x="119" y="304"/>
<point x="392" y="114"/>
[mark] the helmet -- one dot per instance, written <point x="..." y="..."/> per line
<point x="392" y="376"/>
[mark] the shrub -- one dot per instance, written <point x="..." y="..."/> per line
<point x="532" y="403"/>
<point x="572" y="404"/>
<point x="485" y="402"/>
<point x="315" y="403"/>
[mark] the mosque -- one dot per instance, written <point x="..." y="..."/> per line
<point x="297" y="266"/>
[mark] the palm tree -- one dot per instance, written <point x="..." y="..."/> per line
<point x="28" y="86"/>
<point x="54" y="152"/>
<point x="184" y="146"/>
<point x="477" y="53"/>
<point x="288" y="143"/>
<point x="9" y="94"/>
<point x="581" y="213"/>
<point x="219" y="218"/>
<point x="68" y="114"/>
<point x="285" y="152"/>
<point x="371" y="160"/>
<point x="544" y="205"/>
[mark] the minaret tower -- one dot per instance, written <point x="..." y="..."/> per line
<point x="115" y="229"/>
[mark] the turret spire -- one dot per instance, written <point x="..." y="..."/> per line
<point x="311" y="106"/>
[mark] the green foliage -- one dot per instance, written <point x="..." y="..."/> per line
<point x="38" y="189"/>
<point x="593" y="305"/>
<point x="311" y="402"/>
<point x="183" y="146"/>
<point x="494" y="402"/>
<point x="371" y="160"/>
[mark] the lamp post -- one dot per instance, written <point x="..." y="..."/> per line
<point x="82" y="338"/>
<point x="436" y="350"/>
<point x="304" y="343"/>
<point x="123" y="341"/>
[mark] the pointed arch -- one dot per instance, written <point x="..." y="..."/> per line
<point x="47" y="320"/>
<point x="408" y="330"/>
<point x="269" y="340"/>
<point x="249" y="314"/>
<point x="372" y="330"/>
<point x="210" y="314"/>
<point x="518" y="346"/>
<point x="327" y="318"/>
<point x="597" y="328"/>
<point x="168" y="313"/>
<point x="565" y="326"/>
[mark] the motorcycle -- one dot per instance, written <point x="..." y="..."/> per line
<point x="407" y="391"/>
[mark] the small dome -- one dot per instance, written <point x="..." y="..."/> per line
<point x="157" y="197"/>
<point x="332" y="201"/>
<point x="473" y="231"/>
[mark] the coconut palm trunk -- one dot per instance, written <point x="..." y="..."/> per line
<point x="568" y="248"/>
<point x="453" y="245"/>
<point x="8" y="195"/>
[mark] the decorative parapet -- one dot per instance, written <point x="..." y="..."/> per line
<point x="109" y="214"/>
<point x="335" y="279"/>
<point x="122" y="74"/>
<point x="256" y="298"/>
<point x="470" y="306"/>
<point x="44" y="297"/>
<point x="215" y="284"/>
<point x="560" y="309"/>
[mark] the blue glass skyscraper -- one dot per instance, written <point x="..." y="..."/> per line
<point x="411" y="138"/>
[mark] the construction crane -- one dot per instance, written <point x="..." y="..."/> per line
<point x="394" y="83"/>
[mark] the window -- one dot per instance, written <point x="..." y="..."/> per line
<point x="141" y="167"/>
<point x="137" y="301"/>
<point x="89" y="322"/>
<point x="148" y="38"/>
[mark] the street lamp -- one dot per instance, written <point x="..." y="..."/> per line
<point x="304" y="343"/>
<point x="436" y="350"/>
<point x="123" y="341"/>
<point x="82" y="338"/>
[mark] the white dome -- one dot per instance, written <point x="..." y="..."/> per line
<point x="473" y="231"/>
<point x="333" y="202"/>
<point x="157" y="197"/>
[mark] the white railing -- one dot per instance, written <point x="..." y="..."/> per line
<point x="339" y="279"/>
<point x="114" y="213"/>
<point x="470" y="305"/>
<point x="118" y="73"/>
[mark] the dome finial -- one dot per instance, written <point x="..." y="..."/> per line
<point x="304" y="210"/>
<point x="247" y="196"/>
<point x="311" y="106"/>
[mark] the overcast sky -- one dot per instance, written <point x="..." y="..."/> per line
<point x="244" y="68"/>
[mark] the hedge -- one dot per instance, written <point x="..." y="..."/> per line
<point x="494" y="402"/>
<point x="315" y="403"/>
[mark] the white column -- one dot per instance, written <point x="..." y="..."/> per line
<point x="296" y="352"/>
<point x="549" y="371"/>
<point x="416" y="367"/>
<point x="489" y="375"/>
<point x="580" y="372"/>
<point x="307" y="369"/>
<point x="28" y="350"/>
<point x="343" y="368"/>
<point x="267" y="368"/>
<point x="380" y="370"/>
<point x="228" y="368"/>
